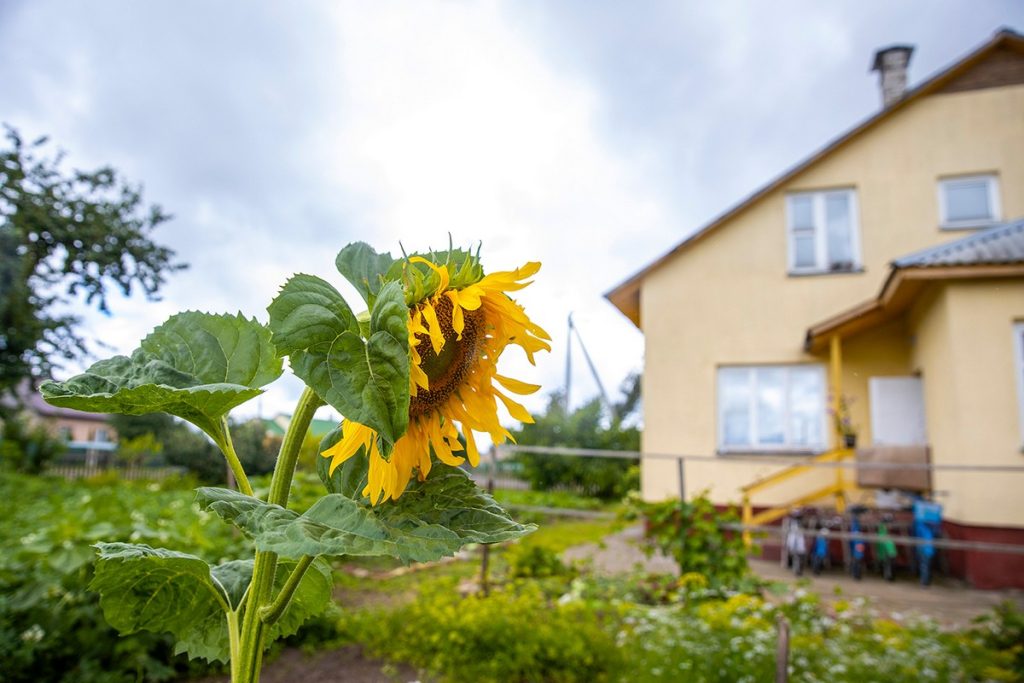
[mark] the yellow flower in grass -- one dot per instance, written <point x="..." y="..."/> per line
<point x="456" y="335"/>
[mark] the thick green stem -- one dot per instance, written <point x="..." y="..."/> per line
<point x="254" y="630"/>
<point x="284" y="470"/>
<point x="273" y="612"/>
<point x="228" y="449"/>
<point x="232" y="617"/>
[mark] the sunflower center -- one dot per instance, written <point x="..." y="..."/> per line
<point x="446" y="370"/>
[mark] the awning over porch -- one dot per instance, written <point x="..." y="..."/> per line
<point x="994" y="252"/>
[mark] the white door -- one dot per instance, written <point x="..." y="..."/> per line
<point x="897" y="411"/>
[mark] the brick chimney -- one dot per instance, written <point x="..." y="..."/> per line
<point x="891" y="64"/>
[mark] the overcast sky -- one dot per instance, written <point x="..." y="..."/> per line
<point x="592" y="136"/>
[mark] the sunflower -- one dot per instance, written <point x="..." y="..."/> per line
<point x="457" y="331"/>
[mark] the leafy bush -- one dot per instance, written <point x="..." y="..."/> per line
<point x="26" y="447"/>
<point x="1003" y="630"/>
<point x="51" y="625"/>
<point x="586" y="427"/>
<point x="734" y="640"/>
<point x="513" y="635"/>
<point x="692" y="533"/>
<point x="531" y="561"/>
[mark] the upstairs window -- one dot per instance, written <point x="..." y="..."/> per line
<point x="969" y="201"/>
<point x="823" y="232"/>
<point x="771" y="408"/>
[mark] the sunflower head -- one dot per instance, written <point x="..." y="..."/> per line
<point x="460" y="321"/>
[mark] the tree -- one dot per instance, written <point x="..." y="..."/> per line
<point x="64" y="235"/>
<point x="592" y="425"/>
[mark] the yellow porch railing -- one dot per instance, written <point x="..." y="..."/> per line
<point x="838" y="488"/>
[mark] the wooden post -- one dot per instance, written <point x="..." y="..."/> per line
<point x="782" y="649"/>
<point x="835" y="358"/>
<point x="748" y="517"/>
<point x="485" y="552"/>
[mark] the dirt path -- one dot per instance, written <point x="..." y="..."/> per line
<point x="347" y="664"/>
<point x="949" y="603"/>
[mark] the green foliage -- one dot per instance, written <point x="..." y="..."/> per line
<point x="366" y="380"/>
<point x="136" y="450"/>
<point x="51" y="626"/>
<point x="169" y="591"/>
<point x="65" y="234"/>
<point x="516" y="635"/>
<point x="432" y="519"/>
<point x="734" y="640"/>
<point x="692" y="533"/>
<point x="1003" y="630"/>
<point x="589" y="426"/>
<point x="196" y="366"/>
<point x="27" y="447"/>
<point x="533" y="561"/>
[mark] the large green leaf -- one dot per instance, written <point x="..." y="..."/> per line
<point x="433" y="519"/>
<point x="367" y="380"/>
<point x="364" y="268"/>
<point x="144" y="588"/>
<point x="197" y="366"/>
<point x="447" y="498"/>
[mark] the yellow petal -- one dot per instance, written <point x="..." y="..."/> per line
<point x="433" y="327"/>
<point x="458" y="323"/>
<point x="515" y="386"/>
<point x="442" y="272"/>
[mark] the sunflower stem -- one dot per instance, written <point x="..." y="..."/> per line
<point x="271" y="613"/>
<point x="227" y="447"/>
<point x="254" y="631"/>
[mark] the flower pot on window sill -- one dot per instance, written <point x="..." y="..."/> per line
<point x="850" y="440"/>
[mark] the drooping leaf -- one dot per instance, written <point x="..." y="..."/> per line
<point x="144" y="588"/>
<point x="432" y="519"/>
<point x="364" y="268"/>
<point x="196" y="366"/>
<point x="367" y="380"/>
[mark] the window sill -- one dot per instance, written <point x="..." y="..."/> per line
<point x="815" y="273"/>
<point x="969" y="225"/>
<point x="802" y="452"/>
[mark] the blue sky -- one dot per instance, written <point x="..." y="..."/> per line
<point x="592" y="136"/>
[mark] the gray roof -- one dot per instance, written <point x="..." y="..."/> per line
<point x="999" y="244"/>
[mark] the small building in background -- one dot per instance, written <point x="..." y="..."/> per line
<point x="89" y="437"/>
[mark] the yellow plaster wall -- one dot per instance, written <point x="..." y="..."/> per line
<point x="728" y="298"/>
<point x="965" y="354"/>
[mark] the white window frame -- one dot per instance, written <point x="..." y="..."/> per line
<point x="787" y="446"/>
<point x="821" y="265"/>
<point x="1018" y="352"/>
<point x="991" y="180"/>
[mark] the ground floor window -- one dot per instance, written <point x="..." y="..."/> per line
<point x="771" y="408"/>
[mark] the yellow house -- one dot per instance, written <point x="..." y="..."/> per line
<point x="887" y="271"/>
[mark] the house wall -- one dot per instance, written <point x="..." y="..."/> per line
<point x="727" y="298"/>
<point x="965" y="354"/>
